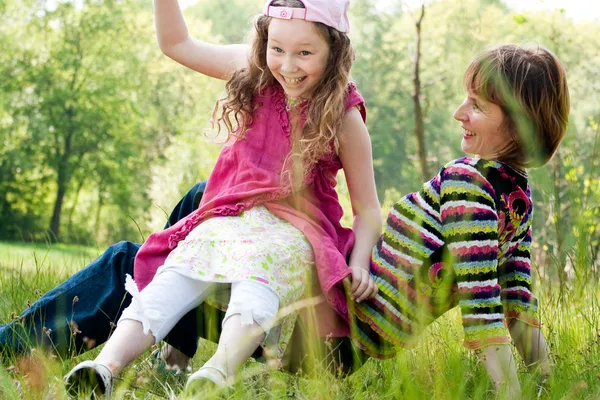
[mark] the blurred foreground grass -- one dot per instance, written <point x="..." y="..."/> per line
<point x="438" y="368"/>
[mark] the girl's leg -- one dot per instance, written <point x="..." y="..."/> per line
<point x="251" y="312"/>
<point x="151" y="315"/>
<point x="182" y="342"/>
<point x="126" y="344"/>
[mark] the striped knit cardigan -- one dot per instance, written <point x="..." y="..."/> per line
<point x="463" y="240"/>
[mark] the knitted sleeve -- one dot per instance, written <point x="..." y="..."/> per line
<point x="515" y="279"/>
<point x="470" y="229"/>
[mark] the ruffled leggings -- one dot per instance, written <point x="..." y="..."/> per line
<point x="171" y="295"/>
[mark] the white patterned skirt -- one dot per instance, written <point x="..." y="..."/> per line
<point x="255" y="245"/>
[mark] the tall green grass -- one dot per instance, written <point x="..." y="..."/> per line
<point x="27" y="271"/>
<point x="438" y="368"/>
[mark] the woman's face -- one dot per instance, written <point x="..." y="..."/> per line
<point x="296" y="55"/>
<point x="484" y="131"/>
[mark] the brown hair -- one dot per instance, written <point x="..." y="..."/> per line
<point x="325" y="110"/>
<point x="529" y="84"/>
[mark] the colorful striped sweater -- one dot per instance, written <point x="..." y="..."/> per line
<point x="463" y="240"/>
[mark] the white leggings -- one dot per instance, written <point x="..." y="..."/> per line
<point x="171" y="295"/>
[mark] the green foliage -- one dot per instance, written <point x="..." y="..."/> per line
<point x="88" y="112"/>
<point x="90" y="108"/>
<point x="229" y="21"/>
<point x="520" y="18"/>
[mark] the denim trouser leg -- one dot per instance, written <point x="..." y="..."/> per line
<point x="79" y="313"/>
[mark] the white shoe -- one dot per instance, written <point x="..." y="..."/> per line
<point x="91" y="379"/>
<point x="207" y="378"/>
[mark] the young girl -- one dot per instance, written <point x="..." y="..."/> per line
<point x="464" y="239"/>
<point x="270" y="212"/>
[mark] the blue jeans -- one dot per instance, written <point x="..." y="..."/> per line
<point x="69" y="327"/>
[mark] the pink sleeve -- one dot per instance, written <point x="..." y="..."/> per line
<point x="354" y="99"/>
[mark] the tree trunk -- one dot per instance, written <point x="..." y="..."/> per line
<point x="99" y="210"/>
<point x="418" y="112"/>
<point x="63" y="176"/>
<point x="60" y="196"/>
<point x="74" y="205"/>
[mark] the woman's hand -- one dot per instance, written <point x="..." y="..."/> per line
<point x="363" y="286"/>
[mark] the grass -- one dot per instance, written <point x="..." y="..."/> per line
<point x="27" y="271"/>
<point x="438" y="368"/>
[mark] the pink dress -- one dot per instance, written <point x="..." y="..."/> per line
<point x="248" y="174"/>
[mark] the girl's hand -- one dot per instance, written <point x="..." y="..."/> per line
<point x="363" y="287"/>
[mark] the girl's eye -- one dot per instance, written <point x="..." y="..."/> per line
<point x="277" y="49"/>
<point x="476" y="107"/>
<point x="305" y="53"/>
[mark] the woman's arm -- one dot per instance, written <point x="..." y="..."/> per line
<point x="532" y="346"/>
<point x="217" y="61"/>
<point x="520" y="303"/>
<point x="469" y="220"/>
<point x="500" y="365"/>
<point x="357" y="161"/>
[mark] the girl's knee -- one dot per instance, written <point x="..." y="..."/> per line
<point x="151" y="322"/>
<point x="254" y="303"/>
<point x="158" y="307"/>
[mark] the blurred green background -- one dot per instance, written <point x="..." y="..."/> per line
<point x="102" y="134"/>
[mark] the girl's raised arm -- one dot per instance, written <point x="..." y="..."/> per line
<point x="217" y="61"/>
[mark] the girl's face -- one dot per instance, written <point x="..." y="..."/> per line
<point x="484" y="133"/>
<point x="296" y="55"/>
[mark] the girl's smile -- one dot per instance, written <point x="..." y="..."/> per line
<point x="293" y="81"/>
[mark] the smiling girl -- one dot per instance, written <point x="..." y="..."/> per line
<point x="270" y="213"/>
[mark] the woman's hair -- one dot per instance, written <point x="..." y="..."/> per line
<point x="529" y="84"/>
<point x="326" y="108"/>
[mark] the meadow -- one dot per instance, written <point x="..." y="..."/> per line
<point x="438" y="368"/>
<point x="87" y="99"/>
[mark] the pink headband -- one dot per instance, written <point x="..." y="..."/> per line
<point x="333" y="13"/>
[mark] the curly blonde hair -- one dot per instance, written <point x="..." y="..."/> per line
<point x="325" y="110"/>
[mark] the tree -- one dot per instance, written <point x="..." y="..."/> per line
<point x="89" y="107"/>
<point x="419" y="129"/>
